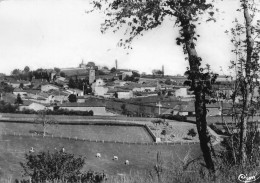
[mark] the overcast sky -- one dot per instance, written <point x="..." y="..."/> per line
<point x="58" y="33"/>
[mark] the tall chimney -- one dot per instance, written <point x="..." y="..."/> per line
<point x="116" y="64"/>
<point x="163" y="70"/>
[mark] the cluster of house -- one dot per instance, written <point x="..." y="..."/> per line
<point x="39" y="94"/>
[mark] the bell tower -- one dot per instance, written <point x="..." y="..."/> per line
<point x="91" y="76"/>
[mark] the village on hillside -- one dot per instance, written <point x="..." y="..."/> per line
<point x="66" y="117"/>
<point x="109" y="92"/>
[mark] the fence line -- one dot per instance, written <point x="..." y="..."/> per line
<point x="98" y="141"/>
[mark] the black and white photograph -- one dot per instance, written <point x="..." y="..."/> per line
<point x="129" y="91"/>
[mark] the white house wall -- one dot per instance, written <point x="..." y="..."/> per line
<point x="100" y="91"/>
<point x="125" y="95"/>
<point x="182" y="92"/>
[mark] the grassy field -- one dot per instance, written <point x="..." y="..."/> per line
<point x="141" y="157"/>
<point x="91" y="132"/>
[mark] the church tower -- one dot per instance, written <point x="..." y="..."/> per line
<point x="91" y="76"/>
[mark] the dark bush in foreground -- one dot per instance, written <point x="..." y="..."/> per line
<point x="58" y="166"/>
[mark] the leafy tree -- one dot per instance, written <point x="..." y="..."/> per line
<point x="6" y="88"/>
<point x="45" y="121"/>
<point x="62" y="74"/>
<point x="7" y="107"/>
<point x="245" y="38"/>
<point x="19" y="99"/>
<point x="72" y="98"/>
<point x="91" y="113"/>
<point x="116" y="95"/>
<point x="136" y="74"/>
<point x="139" y="16"/>
<point x="113" y="70"/>
<point x="168" y="82"/>
<point x="123" y="108"/>
<point x="251" y="66"/>
<point x="72" y="83"/>
<point x="26" y="69"/>
<point x="21" y="85"/>
<point x="57" y="70"/>
<point x="15" y="72"/>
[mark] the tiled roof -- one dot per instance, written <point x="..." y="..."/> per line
<point x="27" y="102"/>
<point x="33" y="91"/>
<point x="185" y="108"/>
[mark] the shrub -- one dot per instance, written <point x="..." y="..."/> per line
<point x="59" y="165"/>
<point x="7" y="107"/>
<point x="192" y="132"/>
<point x="18" y="99"/>
<point x="90" y="113"/>
<point x="174" y="117"/>
<point x="72" y="98"/>
<point x="163" y="132"/>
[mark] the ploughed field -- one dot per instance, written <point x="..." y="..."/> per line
<point x="91" y="132"/>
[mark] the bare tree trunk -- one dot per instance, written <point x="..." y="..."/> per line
<point x="200" y="104"/>
<point x="247" y="84"/>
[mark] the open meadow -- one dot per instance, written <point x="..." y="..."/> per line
<point x="90" y="132"/>
<point x="141" y="157"/>
<point x="131" y="143"/>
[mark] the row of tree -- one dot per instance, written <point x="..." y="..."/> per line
<point x="141" y="16"/>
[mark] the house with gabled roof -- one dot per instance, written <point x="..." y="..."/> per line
<point x="121" y="93"/>
<point x="32" y="105"/>
<point x="188" y="109"/>
<point x="184" y="109"/>
<point x="23" y="93"/>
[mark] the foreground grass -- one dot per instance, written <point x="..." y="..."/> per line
<point x="141" y="157"/>
<point x="177" y="175"/>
